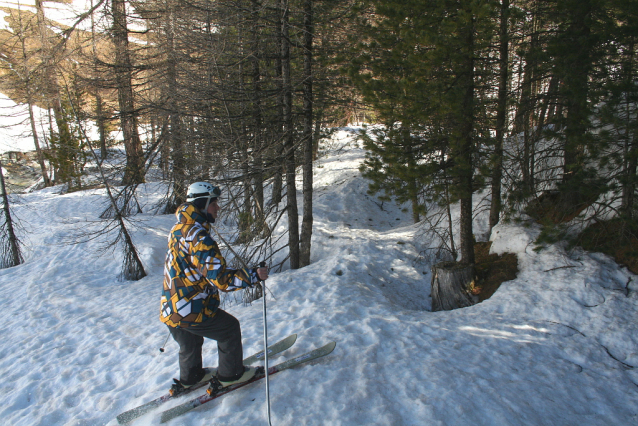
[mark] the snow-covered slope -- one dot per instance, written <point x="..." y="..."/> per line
<point x="556" y="346"/>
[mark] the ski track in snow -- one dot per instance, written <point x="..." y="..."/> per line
<point x="556" y="346"/>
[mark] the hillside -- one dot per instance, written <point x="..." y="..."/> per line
<point x="556" y="346"/>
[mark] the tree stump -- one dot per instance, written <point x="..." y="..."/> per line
<point x="451" y="286"/>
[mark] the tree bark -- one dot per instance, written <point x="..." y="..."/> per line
<point x="258" y="176"/>
<point x="307" y="221"/>
<point x="29" y="94"/>
<point x="277" y="165"/>
<point x="99" y="103"/>
<point x="52" y="90"/>
<point x="289" y="145"/>
<point x="451" y="286"/>
<point x="15" y="257"/>
<point x="576" y="67"/>
<point x="134" y="171"/>
<point x="466" y="146"/>
<point x="630" y="149"/>
<point x="175" y="118"/>
<point x="501" y="115"/>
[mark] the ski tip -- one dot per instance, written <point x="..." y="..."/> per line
<point x="329" y="347"/>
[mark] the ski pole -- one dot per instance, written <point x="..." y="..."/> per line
<point x="162" y="348"/>
<point x="263" y="288"/>
<point x="263" y="296"/>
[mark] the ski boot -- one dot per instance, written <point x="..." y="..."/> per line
<point x="180" y="387"/>
<point x="217" y="384"/>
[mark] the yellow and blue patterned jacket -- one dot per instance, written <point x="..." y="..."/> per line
<point x="194" y="271"/>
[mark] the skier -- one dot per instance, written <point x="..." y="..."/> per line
<point x="194" y="273"/>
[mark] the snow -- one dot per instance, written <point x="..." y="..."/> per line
<point x="14" y="122"/>
<point x="64" y="12"/>
<point x="555" y="346"/>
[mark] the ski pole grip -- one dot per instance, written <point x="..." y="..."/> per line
<point x="262" y="264"/>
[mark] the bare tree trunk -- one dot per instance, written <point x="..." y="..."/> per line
<point x="134" y="171"/>
<point x="258" y="175"/>
<point x="52" y="149"/>
<point x="28" y="90"/>
<point x="630" y="148"/>
<point x="629" y="187"/>
<point x="277" y="181"/>
<point x="521" y="121"/>
<point x="576" y="89"/>
<point x="501" y="114"/>
<point x="307" y="221"/>
<point x="29" y="94"/>
<point x="246" y="136"/>
<point x="52" y="88"/>
<point x="174" y="117"/>
<point x="450" y="222"/>
<point x="466" y="168"/>
<point x="451" y="286"/>
<point x="278" y="167"/>
<point x="542" y="116"/>
<point x="36" y="142"/>
<point x="555" y="107"/>
<point x="289" y="145"/>
<point x="411" y="182"/>
<point x="99" y="103"/>
<point x="101" y="124"/>
<point x="13" y="257"/>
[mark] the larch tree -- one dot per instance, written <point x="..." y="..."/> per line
<point x="134" y="169"/>
<point x="10" y="252"/>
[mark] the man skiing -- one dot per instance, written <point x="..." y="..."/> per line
<point x="194" y="273"/>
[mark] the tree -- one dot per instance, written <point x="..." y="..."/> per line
<point x="419" y="65"/>
<point x="501" y="114"/>
<point x="391" y="164"/>
<point x="100" y="105"/>
<point x="50" y="56"/>
<point x="10" y="253"/>
<point x="21" y="60"/>
<point x="288" y="138"/>
<point x="133" y="172"/>
<point x="132" y="266"/>
<point x="28" y="83"/>
<point x="575" y="49"/>
<point x="307" y="135"/>
<point x="619" y="112"/>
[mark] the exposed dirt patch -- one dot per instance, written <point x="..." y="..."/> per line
<point x="618" y="238"/>
<point x="21" y="171"/>
<point x="492" y="270"/>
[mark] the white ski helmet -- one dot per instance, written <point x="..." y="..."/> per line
<point x="202" y="190"/>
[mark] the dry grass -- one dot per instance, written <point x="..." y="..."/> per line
<point x="618" y="238"/>
<point x="557" y="207"/>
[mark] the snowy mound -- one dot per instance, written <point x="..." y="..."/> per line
<point x="556" y="346"/>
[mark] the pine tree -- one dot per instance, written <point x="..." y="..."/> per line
<point x="501" y="114"/>
<point x="619" y="111"/>
<point x="419" y="69"/>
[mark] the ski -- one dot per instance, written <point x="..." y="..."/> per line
<point x="130" y="415"/>
<point x="293" y="362"/>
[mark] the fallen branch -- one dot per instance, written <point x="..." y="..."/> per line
<point x="561" y="267"/>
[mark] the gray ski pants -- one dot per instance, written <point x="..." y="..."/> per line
<point x="225" y="329"/>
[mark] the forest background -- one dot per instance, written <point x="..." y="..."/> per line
<point x="531" y="102"/>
